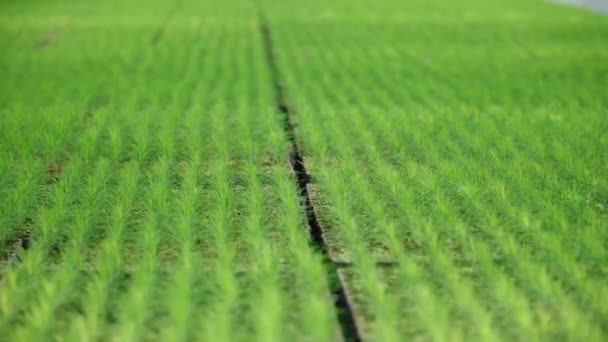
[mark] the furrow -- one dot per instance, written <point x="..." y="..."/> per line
<point x="342" y="303"/>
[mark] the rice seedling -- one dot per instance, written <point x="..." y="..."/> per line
<point x="147" y="189"/>
<point x="456" y="156"/>
<point x="453" y="143"/>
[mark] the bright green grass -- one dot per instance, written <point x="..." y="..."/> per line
<point x="466" y="141"/>
<point x="152" y="178"/>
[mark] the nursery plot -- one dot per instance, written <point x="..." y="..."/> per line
<point x="145" y="191"/>
<point x="454" y="154"/>
<point x="465" y="141"/>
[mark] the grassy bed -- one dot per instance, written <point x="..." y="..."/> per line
<point x="457" y="152"/>
<point x="465" y="141"/>
<point x="145" y="187"/>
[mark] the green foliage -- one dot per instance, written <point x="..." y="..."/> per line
<point x="145" y="191"/>
<point x="464" y="141"/>
<point x="149" y="179"/>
